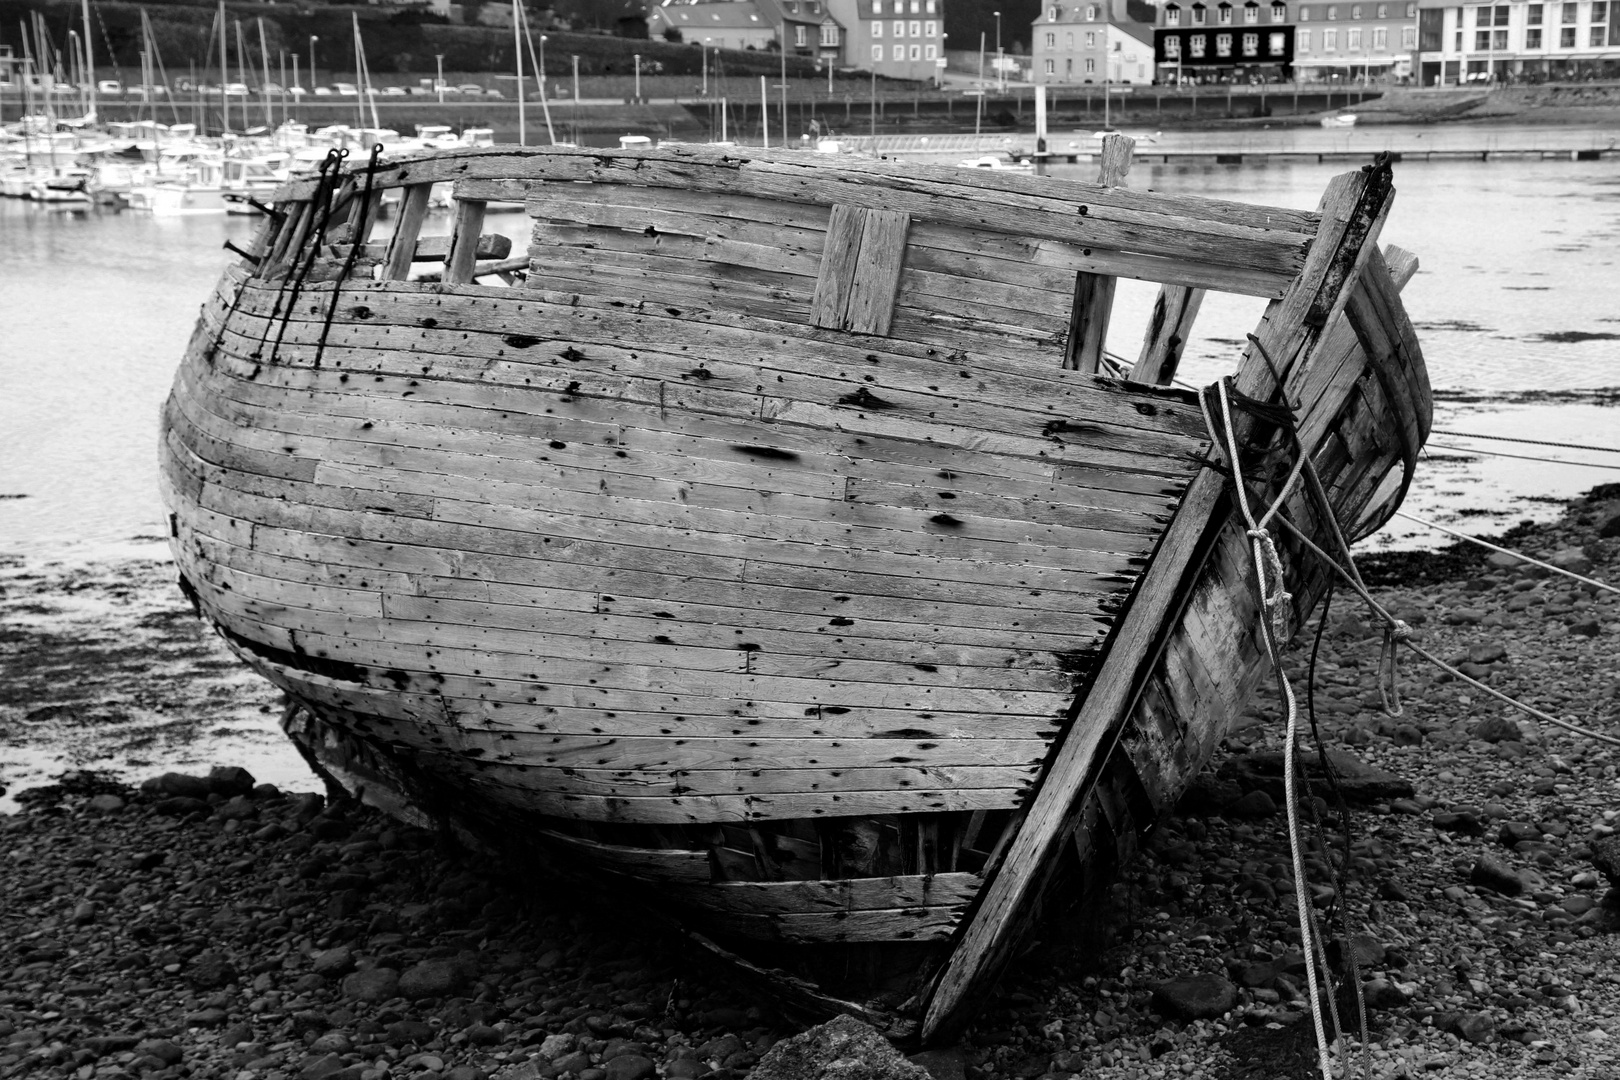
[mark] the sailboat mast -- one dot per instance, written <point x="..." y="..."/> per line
<point x="517" y="47"/>
<point x="224" y="76"/>
<point x="89" y="62"/>
<point x="264" y="85"/>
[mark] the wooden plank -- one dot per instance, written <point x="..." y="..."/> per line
<point x="655" y="865"/>
<point x="464" y="238"/>
<point x="1094" y="293"/>
<point x="877" y="273"/>
<point x="1228" y="233"/>
<point x="840" y="256"/>
<point x="401" y="248"/>
<point x="911" y="924"/>
<point x="831" y="897"/>
<point x="1168" y="331"/>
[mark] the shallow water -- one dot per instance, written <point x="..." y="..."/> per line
<point x="1516" y="295"/>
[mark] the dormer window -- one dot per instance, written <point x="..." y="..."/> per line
<point x="1172" y="15"/>
<point x="1251" y="12"/>
<point x="1279" y="13"/>
<point x="1198" y="14"/>
<point x="1225" y="12"/>
<point x="1052" y="14"/>
<point x="1091" y="13"/>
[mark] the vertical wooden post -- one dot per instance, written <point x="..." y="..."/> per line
<point x="463" y="257"/>
<point x="1094" y="293"/>
<point x="413" y="211"/>
<point x="1167" y="332"/>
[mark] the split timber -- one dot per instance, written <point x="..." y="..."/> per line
<point x="772" y="539"/>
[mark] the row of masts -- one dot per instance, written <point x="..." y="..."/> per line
<point x="76" y="65"/>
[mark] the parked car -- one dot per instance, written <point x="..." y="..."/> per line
<point x="494" y="93"/>
<point x="236" y="89"/>
<point x="297" y="91"/>
<point x="393" y="91"/>
<point x="323" y="91"/>
<point x="109" y="86"/>
<point x="469" y="88"/>
<point x="345" y="89"/>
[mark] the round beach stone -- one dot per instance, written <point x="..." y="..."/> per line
<point x="432" y="978"/>
<point x="373" y="985"/>
<point x="1195" y="997"/>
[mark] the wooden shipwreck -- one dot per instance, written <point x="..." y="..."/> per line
<point x="772" y="538"/>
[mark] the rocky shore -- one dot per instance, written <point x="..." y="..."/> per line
<point x="212" y="926"/>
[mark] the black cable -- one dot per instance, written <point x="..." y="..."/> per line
<point x="356" y="242"/>
<point x="303" y="266"/>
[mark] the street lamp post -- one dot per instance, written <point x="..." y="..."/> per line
<point x="1001" y="69"/>
<point x="313" y="38"/>
<point x="438" y="84"/>
<point x="638" y="78"/>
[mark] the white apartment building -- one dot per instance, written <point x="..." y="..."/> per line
<point x="1517" y="41"/>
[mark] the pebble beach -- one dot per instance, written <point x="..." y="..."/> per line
<point x="208" y="924"/>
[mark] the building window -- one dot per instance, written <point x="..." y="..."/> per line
<point x="1091" y="13"/>
<point x="916" y="52"/>
<point x="1302" y="41"/>
<point x="1532" y="38"/>
<point x="914" y="28"/>
<point x="877" y="53"/>
<point x="1051" y="41"/>
<point x="1411" y="11"/>
<point x="931" y="28"/>
<point x="1068" y="42"/>
<point x="1225" y="11"/>
<point x="829" y="34"/>
<point x="1330" y="40"/>
<point x="1091" y="39"/>
<point x="877" y="7"/>
<point x="1051" y="14"/>
<point x="1408" y="37"/>
<point x="1600" y="11"/>
<point x="877" y="30"/>
<point x="1051" y="68"/>
<point x="1353" y="39"/>
<point x="1091" y="65"/>
<point x="1277" y="43"/>
<point x="801" y="36"/>
<point x="1304" y="14"/>
<point x="1333" y="12"/>
<point x="931" y="52"/>
<point x="1195" y="46"/>
<point x="1279" y="13"/>
<point x="1383" y="11"/>
<point x="1569" y="14"/>
<point x="1355" y="11"/>
<point x="931" y="7"/>
<point x="1251" y="12"/>
<point x="1172" y="16"/>
<point x="1223" y="44"/>
<point x="1532" y="15"/>
<point x="1198" y="14"/>
<point x="1482" y="40"/>
<point x="1566" y="37"/>
<point x="1502" y="12"/>
<point x="1172" y="48"/>
<point x="899" y="28"/>
<point x="1251" y="44"/>
<point x="1380" y="38"/>
<point x="899" y="52"/>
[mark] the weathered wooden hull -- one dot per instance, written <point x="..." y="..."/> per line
<point x="773" y="549"/>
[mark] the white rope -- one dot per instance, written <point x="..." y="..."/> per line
<point x="1274" y="600"/>
<point x="1508" y="551"/>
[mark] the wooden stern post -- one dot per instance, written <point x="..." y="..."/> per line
<point x="1353" y="210"/>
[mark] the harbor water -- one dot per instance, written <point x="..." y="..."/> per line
<point x="1517" y="304"/>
